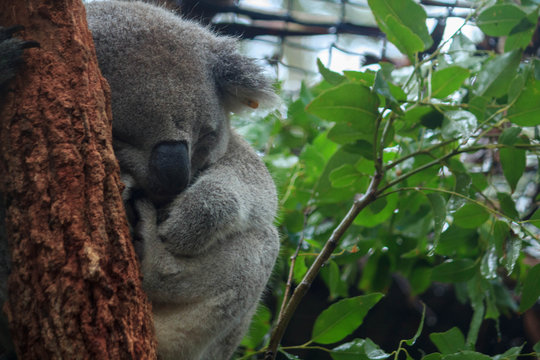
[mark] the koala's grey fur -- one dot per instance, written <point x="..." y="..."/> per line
<point x="201" y="202"/>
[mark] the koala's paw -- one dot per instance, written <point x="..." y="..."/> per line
<point x="145" y="232"/>
<point x="11" y="51"/>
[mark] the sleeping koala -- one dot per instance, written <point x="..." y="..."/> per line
<point x="200" y="201"/>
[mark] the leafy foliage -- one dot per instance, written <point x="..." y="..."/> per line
<point x="383" y="172"/>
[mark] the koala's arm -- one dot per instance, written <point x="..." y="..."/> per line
<point x="11" y="51"/>
<point x="232" y="196"/>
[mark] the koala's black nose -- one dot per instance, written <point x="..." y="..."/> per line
<point x="170" y="167"/>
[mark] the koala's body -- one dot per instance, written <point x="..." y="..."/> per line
<point x="202" y="203"/>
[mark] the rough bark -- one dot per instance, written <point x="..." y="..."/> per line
<point x="75" y="290"/>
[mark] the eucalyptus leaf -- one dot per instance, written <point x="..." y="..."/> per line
<point x="438" y="206"/>
<point x="358" y="349"/>
<point x="458" y="124"/>
<point x="332" y="77"/>
<point x="449" y="342"/>
<point x="454" y="271"/>
<point x="500" y="19"/>
<point x="446" y="81"/>
<point x="471" y="216"/>
<point x="531" y="288"/>
<point x="497" y="74"/>
<point x="349" y="103"/>
<point x="513" y="163"/>
<point x="526" y="109"/>
<point x="342" y="318"/>
<point x="404" y="23"/>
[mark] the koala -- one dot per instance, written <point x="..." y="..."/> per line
<point x="200" y="202"/>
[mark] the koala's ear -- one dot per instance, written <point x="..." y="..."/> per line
<point x="241" y="81"/>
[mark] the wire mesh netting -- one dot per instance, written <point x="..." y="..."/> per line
<point x="291" y="34"/>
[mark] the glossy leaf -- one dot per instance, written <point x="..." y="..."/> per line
<point x="358" y="349"/>
<point x="500" y="19"/>
<point x="412" y="340"/>
<point x="342" y="318"/>
<point x="449" y="342"/>
<point x="466" y="355"/>
<point x="349" y="103"/>
<point x="458" y="124"/>
<point x="513" y="163"/>
<point x="497" y="74"/>
<point x="510" y="354"/>
<point x="438" y="206"/>
<point x="404" y="23"/>
<point x="525" y="110"/>
<point x="446" y="81"/>
<point x="508" y="207"/>
<point x="370" y="218"/>
<point x="332" y="77"/>
<point x="454" y="271"/>
<point x="343" y="176"/>
<point x="531" y="288"/>
<point x="471" y="216"/>
<point x="513" y="250"/>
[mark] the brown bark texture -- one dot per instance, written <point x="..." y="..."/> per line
<point x="75" y="290"/>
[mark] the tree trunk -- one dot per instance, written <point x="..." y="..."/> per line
<point x="75" y="290"/>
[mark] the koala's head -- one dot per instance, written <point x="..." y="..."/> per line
<point x="173" y="85"/>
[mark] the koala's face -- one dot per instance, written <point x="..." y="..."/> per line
<point x="173" y="84"/>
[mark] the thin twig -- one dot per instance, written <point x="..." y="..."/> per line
<point x="358" y="205"/>
<point x="291" y="269"/>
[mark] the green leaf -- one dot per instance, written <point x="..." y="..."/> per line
<point x="449" y="342"/>
<point x="433" y="356"/>
<point x="454" y="271"/>
<point x="300" y="269"/>
<point x="420" y="278"/>
<point x="536" y="348"/>
<point x="513" y="164"/>
<point x="345" y="133"/>
<point x="466" y="355"/>
<point x="404" y="23"/>
<point x="458" y="124"/>
<point x="531" y="288"/>
<point x="463" y="184"/>
<point x="412" y="340"/>
<point x="478" y="105"/>
<point x="458" y="242"/>
<point x="446" y="81"/>
<point x="525" y="110"/>
<point x="438" y="206"/>
<point x="501" y="230"/>
<point x="510" y="136"/>
<point x="343" y="176"/>
<point x="510" y="354"/>
<point x="497" y="74"/>
<point x="470" y="216"/>
<point x="508" y="207"/>
<point x="260" y="324"/>
<point x="342" y="318"/>
<point x="490" y="262"/>
<point x="499" y="20"/>
<point x="330" y="275"/>
<point x="358" y="349"/>
<point x="369" y="218"/>
<point x="513" y="250"/>
<point x="348" y="103"/>
<point x="521" y="34"/>
<point x="332" y="77"/>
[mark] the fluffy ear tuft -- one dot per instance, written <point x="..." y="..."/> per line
<point x="241" y="80"/>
